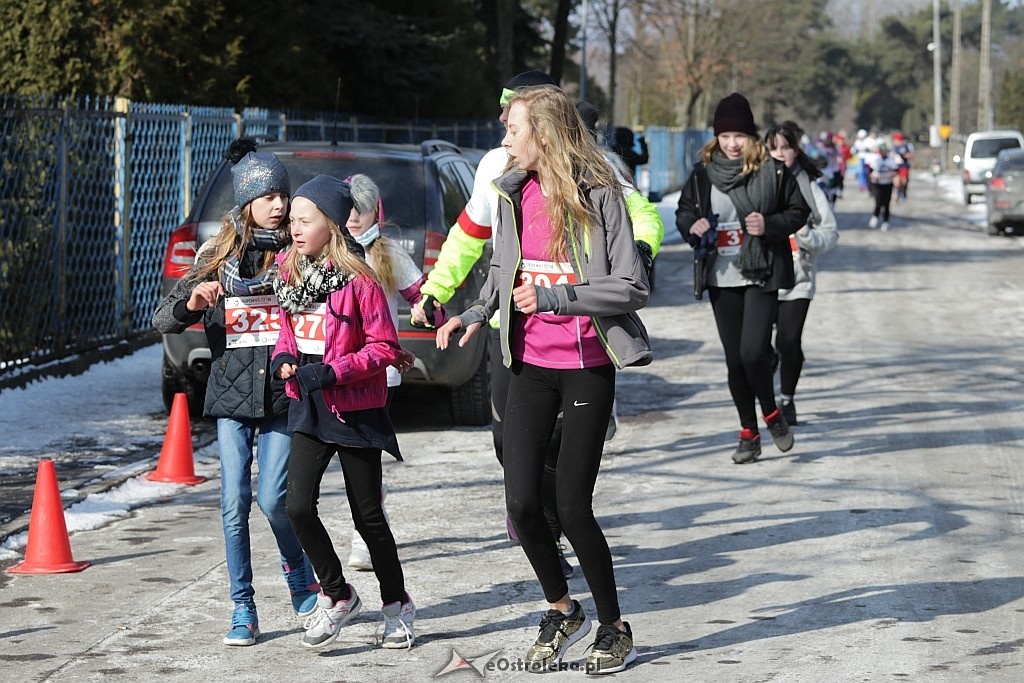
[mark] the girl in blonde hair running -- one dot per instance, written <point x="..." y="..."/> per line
<point x="400" y="277"/>
<point x="566" y="280"/>
<point x="337" y="339"/>
<point x="232" y="282"/>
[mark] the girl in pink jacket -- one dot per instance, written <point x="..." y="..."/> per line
<point x="337" y="340"/>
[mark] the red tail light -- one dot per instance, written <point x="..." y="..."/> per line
<point x="997" y="184"/>
<point x="432" y="242"/>
<point x="181" y="251"/>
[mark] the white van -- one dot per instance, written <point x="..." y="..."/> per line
<point x="980" y="154"/>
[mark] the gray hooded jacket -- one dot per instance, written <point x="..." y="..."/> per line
<point x="611" y="281"/>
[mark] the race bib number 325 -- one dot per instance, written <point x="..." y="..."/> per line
<point x="251" y="320"/>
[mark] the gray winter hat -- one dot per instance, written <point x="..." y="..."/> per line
<point x="258" y="174"/>
<point x="331" y="195"/>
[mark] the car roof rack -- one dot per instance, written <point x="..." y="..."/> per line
<point x="437" y="145"/>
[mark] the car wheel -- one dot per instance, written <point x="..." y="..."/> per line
<point x="195" y="392"/>
<point x="471" y="402"/>
<point x="173" y="383"/>
<point x="169" y="385"/>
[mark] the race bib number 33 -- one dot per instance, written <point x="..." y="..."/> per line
<point x="251" y="320"/>
<point x="730" y="238"/>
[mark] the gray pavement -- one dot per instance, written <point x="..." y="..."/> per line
<point x="886" y="546"/>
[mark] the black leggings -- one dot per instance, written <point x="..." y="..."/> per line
<point x="500" y="376"/>
<point x="883" y="197"/>
<point x="790" y="331"/>
<point x="535" y="396"/>
<point x="745" y="316"/>
<point x="362" y="469"/>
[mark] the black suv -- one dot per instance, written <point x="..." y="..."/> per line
<point x="424" y="188"/>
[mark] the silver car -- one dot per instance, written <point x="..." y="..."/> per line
<point x="1004" y="194"/>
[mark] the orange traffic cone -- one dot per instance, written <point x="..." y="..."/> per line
<point x="175" y="464"/>
<point x="48" y="550"/>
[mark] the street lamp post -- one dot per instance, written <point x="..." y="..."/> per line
<point x="937" y="74"/>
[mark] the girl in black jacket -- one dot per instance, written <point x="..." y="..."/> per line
<point x="753" y="204"/>
<point x="230" y="289"/>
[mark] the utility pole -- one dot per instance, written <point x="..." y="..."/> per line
<point x="937" y="75"/>
<point x="954" y="86"/>
<point x="583" y="55"/>
<point x="985" y="70"/>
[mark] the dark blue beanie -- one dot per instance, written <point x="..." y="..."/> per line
<point x="331" y="195"/>
<point x="334" y="198"/>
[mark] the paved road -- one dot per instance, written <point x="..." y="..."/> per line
<point x="886" y="546"/>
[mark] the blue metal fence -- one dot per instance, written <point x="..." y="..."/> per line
<point x="90" y="190"/>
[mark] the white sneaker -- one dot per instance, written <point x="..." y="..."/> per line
<point x="359" y="556"/>
<point x="885" y="226"/>
<point x="322" y="628"/>
<point x="397" y="629"/>
<point x="873" y="222"/>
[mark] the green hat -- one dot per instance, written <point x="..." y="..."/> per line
<point x="523" y="80"/>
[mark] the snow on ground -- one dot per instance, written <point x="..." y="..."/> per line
<point x="106" y="406"/>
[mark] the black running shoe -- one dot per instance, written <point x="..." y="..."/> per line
<point x="789" y="412"/>
<point x="749" y="449"/>
<point x="779" y="428"/>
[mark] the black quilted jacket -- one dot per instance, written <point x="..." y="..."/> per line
<point x="241" y="385"/>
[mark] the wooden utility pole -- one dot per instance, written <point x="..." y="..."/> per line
<point x="985" y="70"/>
<point x="954" y="81"/>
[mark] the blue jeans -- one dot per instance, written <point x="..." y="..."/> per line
<point x="235" y="438"/>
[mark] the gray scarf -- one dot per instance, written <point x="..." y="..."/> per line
<point x="232" y="279"/>
<point x="753" y="192"/>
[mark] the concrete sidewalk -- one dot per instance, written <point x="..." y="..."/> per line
<point x="885" y="546"/>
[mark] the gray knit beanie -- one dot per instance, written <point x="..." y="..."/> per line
<point x="258" y="174"/>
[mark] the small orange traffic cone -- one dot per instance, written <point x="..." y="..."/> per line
<point x="48" y="550"/>
<point x="175" y="465"/>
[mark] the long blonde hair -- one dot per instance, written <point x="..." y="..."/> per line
<point x="365" y="198"/>
<point x="755" y="153"/>
<point x="569" y="160"/>
<point x="336" y="251"/>
<point x="227" y="242"/>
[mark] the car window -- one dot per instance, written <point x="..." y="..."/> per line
<point x="454" y="192"/>
<point x="1010" y="163"/>
<point x="400" y="180"/>
<point x="990" y="148"/>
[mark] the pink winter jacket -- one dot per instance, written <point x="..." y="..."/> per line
<point x="360" y="343"/>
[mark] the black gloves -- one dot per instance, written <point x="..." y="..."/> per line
<point x="430" y="311"/>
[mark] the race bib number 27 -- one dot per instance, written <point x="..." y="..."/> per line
<point x="308" y="326"/>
